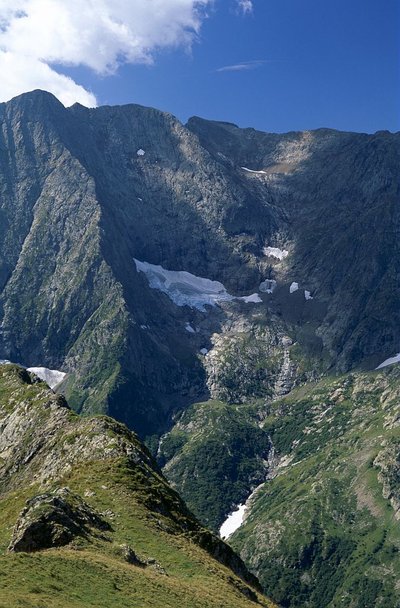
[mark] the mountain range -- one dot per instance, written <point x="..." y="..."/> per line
<point x="228" y="295"/>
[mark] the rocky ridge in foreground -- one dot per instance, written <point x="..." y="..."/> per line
<point x="86" y="518"/>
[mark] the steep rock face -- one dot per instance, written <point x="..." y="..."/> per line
<point x="84" y="192"/>
<point x="72" y="298"/>
<point x="306" y="222"/>
<point x="339" y="219"/>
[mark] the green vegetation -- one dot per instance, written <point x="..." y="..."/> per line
<point x="115" y="476"/>
<point x="215" y="454"/>
<point x="322" y="533"/>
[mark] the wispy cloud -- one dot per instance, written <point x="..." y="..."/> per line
<point x="244" y="65"/>
<point x="245" y="6"/>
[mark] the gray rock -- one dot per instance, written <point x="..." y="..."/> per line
<point x="70" y="295"/>
<point x="54" y="520"/>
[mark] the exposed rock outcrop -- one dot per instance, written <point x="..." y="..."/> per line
<point x="55" y="519"/>
<point x="388" y="463"/>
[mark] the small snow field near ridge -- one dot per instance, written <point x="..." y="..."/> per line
<point x="140" y="152"/>
<point x="52" y="377"/>
<point x="307" y="295"/>
<point x="233" y="522"/>
<point x="294" y="287"/>
<point x="390" y="361"/>
<point x="275" y="252"/>
<point x="186" y="289"/>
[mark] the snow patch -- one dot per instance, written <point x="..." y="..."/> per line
<point x="204" y="351"/>
<point x="267" y="286"/>
<point x="294" y="287"/>
<point x="390" y="361"/>
<point x="253" y="299"/>
<point x="307" y="295"/>
<point x="186" y="289"/>
<point x="275" y="252"/>
<point x="253" y="171"/>
<point x="52" y="377"/>
<point x="140" y="152"/>
<point x="189" y="328"/>
<point x="233" y="522"/>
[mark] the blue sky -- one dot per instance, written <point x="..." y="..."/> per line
<point x="309" y="64"/>
<point x="332" y="64"/>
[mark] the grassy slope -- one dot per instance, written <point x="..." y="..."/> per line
<point x="321" y="533"/>
<point x="214" y="455"/>
<point x="144" y="513"/>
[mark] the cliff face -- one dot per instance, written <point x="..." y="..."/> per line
<point x="337" y="199"/>
<point x="84" y="192"/>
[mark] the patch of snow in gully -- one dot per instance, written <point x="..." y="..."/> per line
<point x="232" y="522"/>
<point x="294" y="287"/>
<point x="186" y="289"/>
<point x="307" y="295"/>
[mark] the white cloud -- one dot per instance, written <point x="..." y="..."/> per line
<point x="100" y="34"/>
<point x="245" y="6"/>
<point x="20" y="74"/>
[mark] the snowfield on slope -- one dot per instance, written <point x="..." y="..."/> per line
<point x="186" y="289"/>
<point x="232" y="522"/>
<point x="52" y="377"/>
<point x="390" y="361"/>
